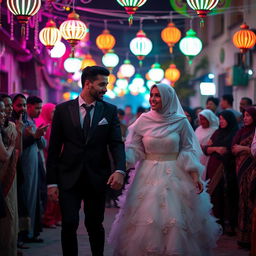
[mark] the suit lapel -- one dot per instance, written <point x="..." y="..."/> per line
<point x="96" y="118"/>
<point x="75" y="115"/>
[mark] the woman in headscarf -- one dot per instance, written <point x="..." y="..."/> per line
<point x="221" y="172"/>
<point x="246" y="175"/>
<point x="208" y="124"/>
<point x="8" y="138"/>
<point x="52" y="216"/>
<point x="164" y="210"/>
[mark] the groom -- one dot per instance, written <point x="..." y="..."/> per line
<point x="78" y="166"/>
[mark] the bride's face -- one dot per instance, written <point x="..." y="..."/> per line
<point x="155" y="99"/>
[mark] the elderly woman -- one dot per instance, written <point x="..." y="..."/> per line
<point x="209" y="123"/>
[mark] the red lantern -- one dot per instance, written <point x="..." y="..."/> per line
<point x="244" y="39"/>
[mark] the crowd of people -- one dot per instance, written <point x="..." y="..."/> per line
<point x="226" y="137"/>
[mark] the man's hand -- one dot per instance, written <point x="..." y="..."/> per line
<point x="116" y="180"/>
<point x="53" y="193"/>
<point x="40" y="131"/>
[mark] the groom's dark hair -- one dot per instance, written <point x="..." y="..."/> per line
<point x="90" y="73"/>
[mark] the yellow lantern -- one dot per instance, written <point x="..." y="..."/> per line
<point x="50" y="35"/>
<point x="171" y="35"/>
<point x="73" y="29"/>
<point x="111" y="78"/>
<point x="105" y="41"/>
<point x="244" y="39"/>
<point x="88" y="61"/>
<point x="172" y="74"/>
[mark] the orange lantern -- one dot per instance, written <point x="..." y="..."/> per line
<point x="88" y="61"/>
<point x="172" y="74"/>
<point x="171" y="35"/>
<point x="111" y="78"/>
<point x="105" y="41"/>
<point x="244" y="39"/>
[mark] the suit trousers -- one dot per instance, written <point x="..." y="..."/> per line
<point x="94" y="207"/>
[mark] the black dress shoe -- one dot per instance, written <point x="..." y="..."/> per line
<point x="33" y="240"/>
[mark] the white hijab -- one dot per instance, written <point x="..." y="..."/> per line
<point x="171" y="118"/>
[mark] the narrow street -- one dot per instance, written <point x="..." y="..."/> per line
<point x="52" y="247"/>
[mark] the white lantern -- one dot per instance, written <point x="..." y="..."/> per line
<point x="72" y="65"/>
<point x="156" y="73"/>
<point x="122" y="83"/>
<point x="138" y="80"/>
<point x="58" y="50"/>
<point x="127" y="69"/>
<point x="110" y="59"/>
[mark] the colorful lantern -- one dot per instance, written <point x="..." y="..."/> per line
<point x="131" y="7"/>
<point x="141" y="46"/>
<point x="105" y="41"/>
<point x="88" y="61"/>
<point x="127" y="69"/>
<point x="156" y="73"/>
<point x="23" y="10"/>
<point x="72" y="65"/>
<point x="172" y="74"/>
<point x="171" y="35"/>
<point x="58" y="50"/>
<point x="122" y="83"/>
<point x="50" y="35"/>
<point x="138" y="80"/>
<point x="244" y="39"/>
<point x="110" y="60"/>
<point x="190" y="45"/>
<point x="111" y="81"/>
<point x="202" y="7"/>
<point x="73" y="29"/>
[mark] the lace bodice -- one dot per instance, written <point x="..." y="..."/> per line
<point x="165" y="145"/>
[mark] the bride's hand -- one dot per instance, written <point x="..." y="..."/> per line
<point x="199" y="185"/>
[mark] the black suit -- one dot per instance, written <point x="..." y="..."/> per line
<point x="81" y="169"/>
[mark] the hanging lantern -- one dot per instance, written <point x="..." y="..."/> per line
<point x="58" y="50"/>
<point x="73" y="29"/>
<point x="122" y="83"/>
<point x="131" y="7"/>
<point x="190" y="45"/>
<point x="50" y="35"/>
<point x="141" y="46"/>
<point x="111" y="81"/>
<point x="72" y="65"/>
<point x="105" y="41"/>
<point x="172" y="74"/>
<point x="127" y="69"/>
<point x="171" y="35"/>
<point x="23" y="10"/>
<point x="110" y="60"/>
<point x="244" y="39"/>
<point x="202" y="7"/>
<point x="88" y="61"/>
<point x="138" y="80"/>
<point x="156" y="73"/>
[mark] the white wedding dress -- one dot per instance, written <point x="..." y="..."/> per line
<point x="160" y="212"/>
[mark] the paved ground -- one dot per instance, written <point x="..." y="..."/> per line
<point x="51" y="246"/>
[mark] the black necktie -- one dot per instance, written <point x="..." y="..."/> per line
<point x="87" y="120"/>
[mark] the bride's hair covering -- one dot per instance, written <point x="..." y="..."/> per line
<point x="171" y="118"/>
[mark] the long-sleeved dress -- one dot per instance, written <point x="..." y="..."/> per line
<point x="160" y="211"/>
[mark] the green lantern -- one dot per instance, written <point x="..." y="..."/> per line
<point x="190" y="45"/>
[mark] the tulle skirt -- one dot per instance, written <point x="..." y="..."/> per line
<point x="162" y="215"/>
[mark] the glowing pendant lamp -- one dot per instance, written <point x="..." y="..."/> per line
<point x="202" y="7"/>
<point x="88" y="61"/>
<point x="141" y="46"/>
<point x="73" y="29"/>
<point x="72" y="65"/>
<point x="50" y="35"/>
<point x="244" y="39"/>
<point x="190" y="45"/>
<point x="131" y="7"/>
<point x="172" y="74"/>
<point x="105" y="41"/>
<point x="171" y="35"/>
<point x="127" y="69"/>
<point x="156" y="73"/>
<point x="110" y="60"/>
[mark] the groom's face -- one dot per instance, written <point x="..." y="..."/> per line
<point x="98" y="87"/>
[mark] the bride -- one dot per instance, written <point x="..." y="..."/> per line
<point x="164" y="210"/>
